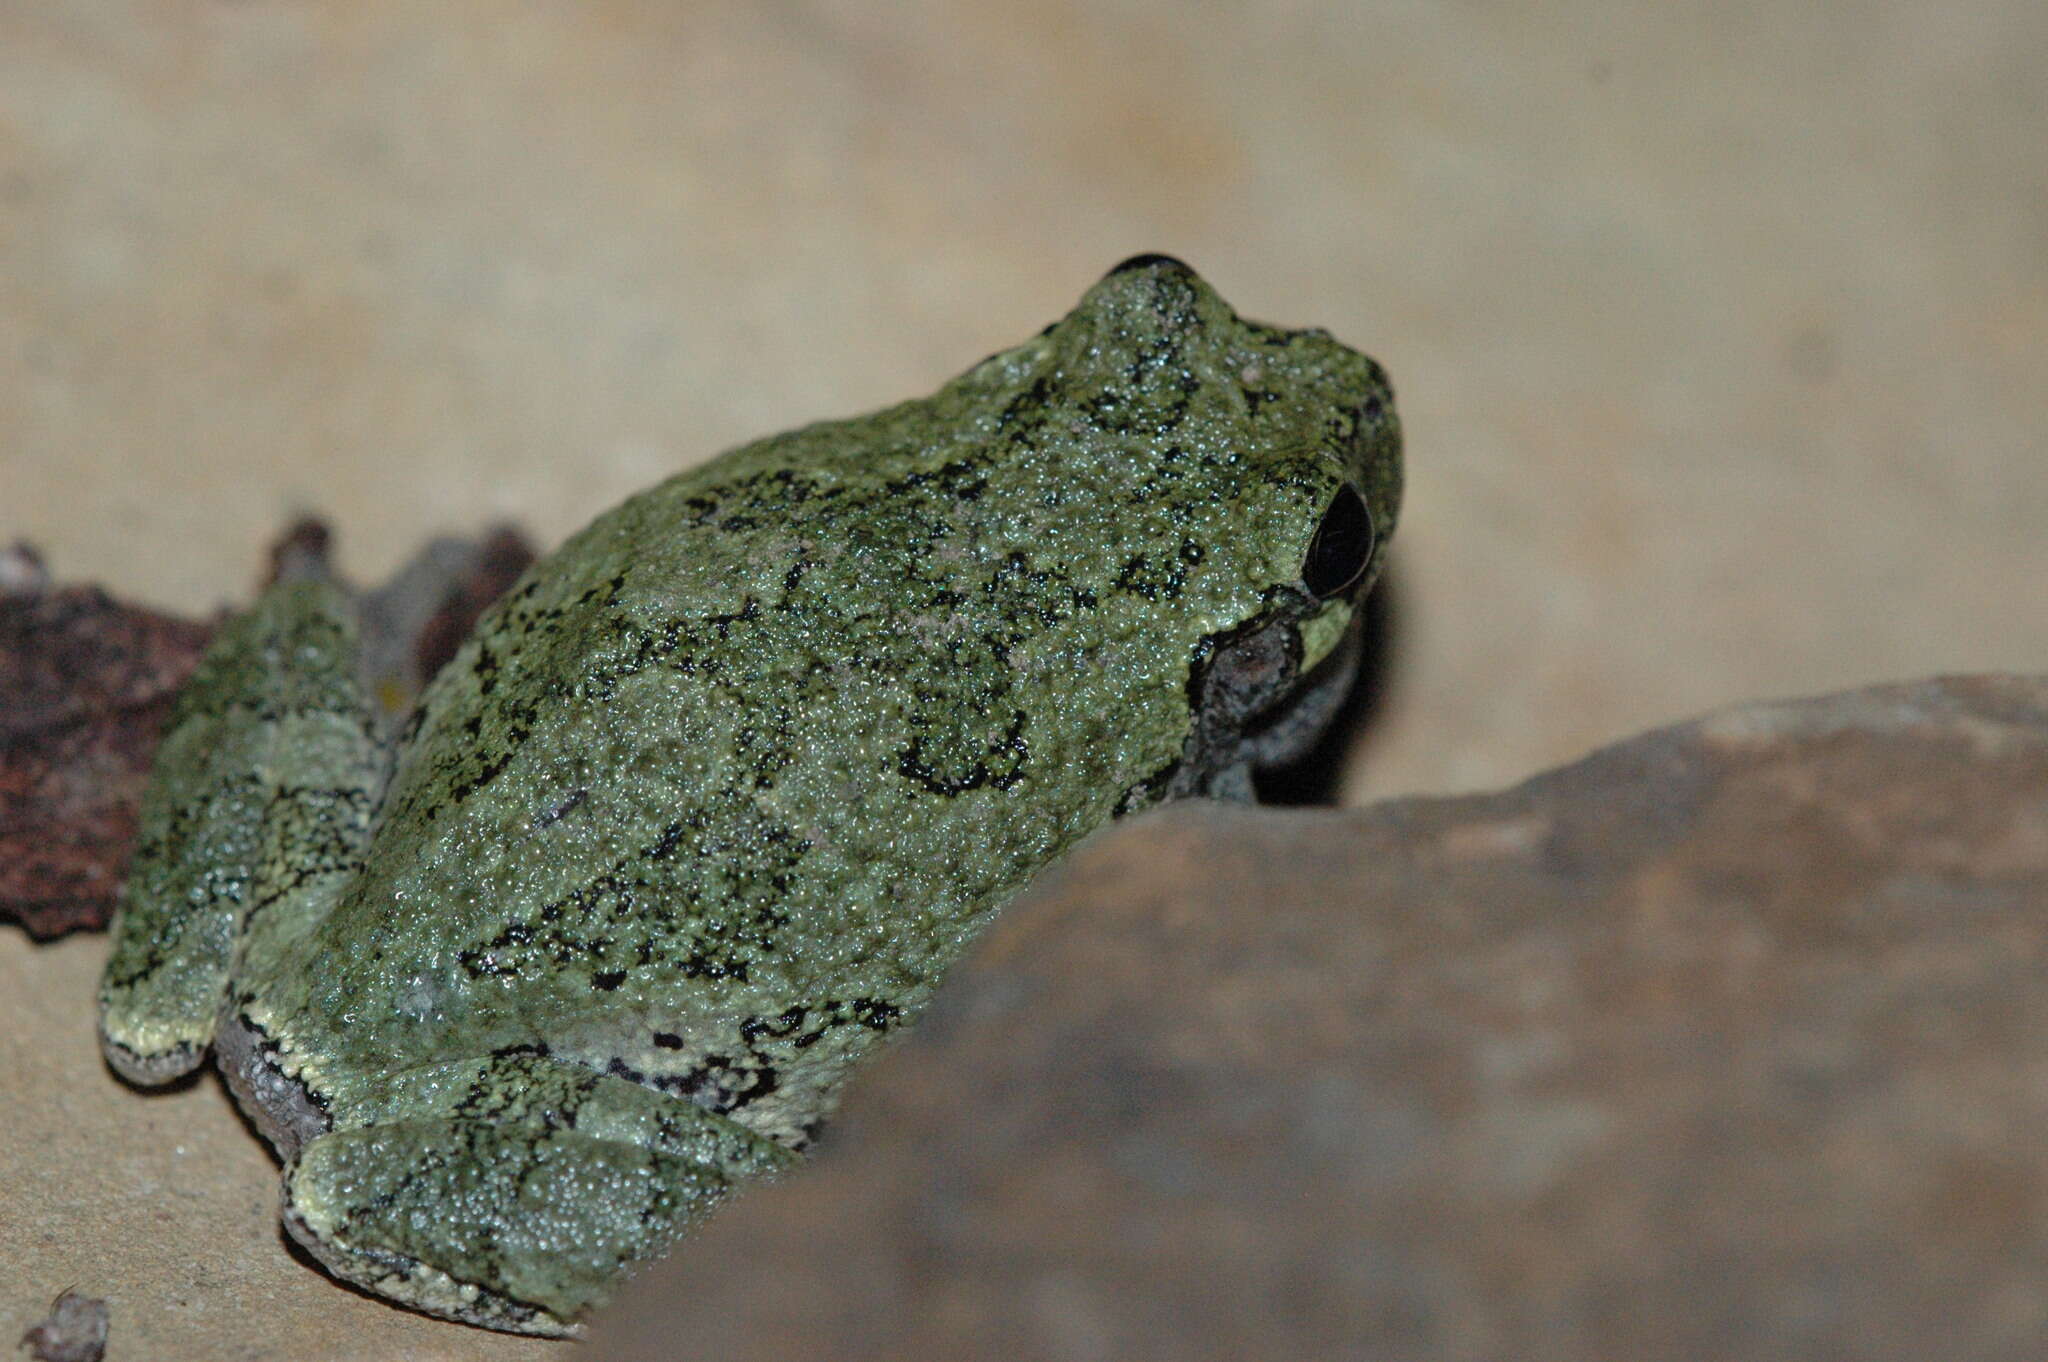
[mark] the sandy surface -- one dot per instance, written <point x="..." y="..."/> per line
<point x="1717" y="331"/>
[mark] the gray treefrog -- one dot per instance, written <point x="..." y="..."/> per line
<point x="709" y="801"/>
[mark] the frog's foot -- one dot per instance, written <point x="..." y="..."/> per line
<point x="254" y="819"/>
<point x="515" y="1193"/>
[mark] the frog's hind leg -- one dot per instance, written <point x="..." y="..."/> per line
<point x="513" y="1192"/>
<point x="258" y="806"/>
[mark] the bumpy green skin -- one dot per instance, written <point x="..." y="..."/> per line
<point x="711" y="800"/>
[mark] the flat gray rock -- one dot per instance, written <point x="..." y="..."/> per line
<point x="1728" y="1041"/>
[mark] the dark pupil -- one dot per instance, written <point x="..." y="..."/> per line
<point x="1342" y="547"/>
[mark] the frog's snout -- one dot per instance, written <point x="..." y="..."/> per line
<point x="1147" y="261"/>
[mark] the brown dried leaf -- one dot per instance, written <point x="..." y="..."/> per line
<point x="86" y="682"/>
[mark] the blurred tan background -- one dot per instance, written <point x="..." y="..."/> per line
<point x="1717" y="330"/>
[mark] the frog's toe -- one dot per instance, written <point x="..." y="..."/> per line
<point x="420" y="1285"/>
<point x="145" y="1060"/>
<point x="400" y="1277"/>
<point x="518" y="1228"/>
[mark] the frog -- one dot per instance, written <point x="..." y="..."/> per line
<point x="521" y="988"/>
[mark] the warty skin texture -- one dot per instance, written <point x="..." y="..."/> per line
<point x="711" y="799"/>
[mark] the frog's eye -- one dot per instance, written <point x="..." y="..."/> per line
<point x="1338" y="555"/>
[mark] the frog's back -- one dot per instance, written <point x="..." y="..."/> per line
<point x="715" y="801"/>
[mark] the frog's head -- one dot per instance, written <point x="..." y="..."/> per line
<point x="1264" y="461"/>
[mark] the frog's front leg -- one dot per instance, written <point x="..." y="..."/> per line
<point x="255" y="816"/>
<point x="512" y="1191"/>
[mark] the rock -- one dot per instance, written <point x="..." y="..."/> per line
<point x="1728" y="1041"/>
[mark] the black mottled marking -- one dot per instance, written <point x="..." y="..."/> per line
<point x="486" y="669"/>
<point x="1000" y="767"/>
<point x="1141" y="576"/>
<point x="665" y="845"/>
<point x="778" y="1028"/>
<point x="875" y="1014"/>
<point x="535" y="1048"/>
<point x="961" y="479"/>
<point x="718" y="1083"/>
